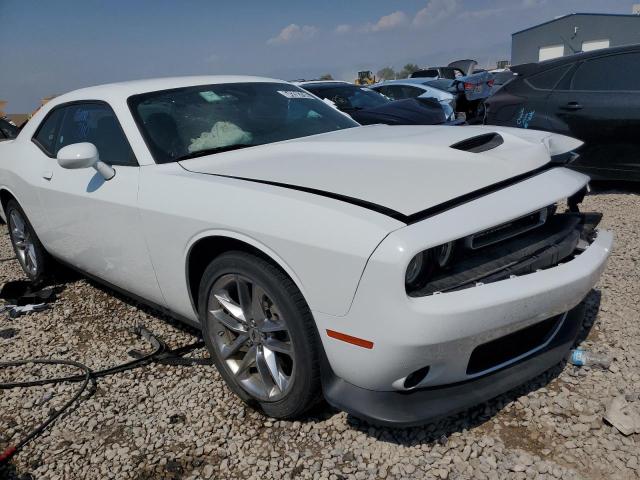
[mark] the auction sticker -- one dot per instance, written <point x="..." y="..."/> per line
<point x="295" y="94"/>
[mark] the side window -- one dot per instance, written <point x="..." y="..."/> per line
<point x="610" y="73"/>
<point x="411" y="92"/>
<point x="45" y="136"/>
<point x="96" y="123"/>
<point x="394" y="92"/>
<point x="548" y="79"/>
<point x="383" y="90"/>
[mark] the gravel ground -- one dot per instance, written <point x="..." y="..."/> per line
<point x="178" y="422"/>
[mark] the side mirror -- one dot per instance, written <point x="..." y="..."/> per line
<point x="84" y="155"/>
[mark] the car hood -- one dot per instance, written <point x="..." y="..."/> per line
<point x="406" y="169"/>
<point x="410" y="111"/>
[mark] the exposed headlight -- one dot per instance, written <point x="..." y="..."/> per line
<point x="414" y="270"/>
<point x="422" y="267"/>
<point x="443" y="254"/>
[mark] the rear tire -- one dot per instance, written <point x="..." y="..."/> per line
<point x="31" y="255"/>
<point x="260" y="334"/>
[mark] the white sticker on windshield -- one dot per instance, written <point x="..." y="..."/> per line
<point x="210" y="96"/>
<point x="295" y="94"/>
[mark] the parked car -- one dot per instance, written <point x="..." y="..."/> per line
<point x="459" y="78"/>
<point x="416" y="88"/>
<point x="405" y="272"/>
<point x="368" y="107"/>
<point x="8" y="130"/>
<point x="470" y="93"/>
<point x="592" y="96"/>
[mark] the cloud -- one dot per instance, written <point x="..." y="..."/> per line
<point x="435" y="12"/>
<point x="293" y="32"/>
<point x="387" y="22"/>
<point x="480" y="14"/>
<point x="493" y="12"/>
<point x="344" y="28"/>
<point x="533" y="3"/>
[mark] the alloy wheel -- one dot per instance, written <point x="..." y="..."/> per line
<point x="23" y="242"/>
<point x="251" y="336"/>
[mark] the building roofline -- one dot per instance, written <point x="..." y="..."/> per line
<point x="576" y="14"/>
<point x="533" y="67"/>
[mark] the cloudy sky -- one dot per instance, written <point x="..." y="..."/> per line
<point x="56" y="46"/>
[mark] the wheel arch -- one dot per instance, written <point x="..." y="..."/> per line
<point x="208" y="246"/>
<point x="5" y="196"/>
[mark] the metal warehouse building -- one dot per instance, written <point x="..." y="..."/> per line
<point x="576" y="32"/>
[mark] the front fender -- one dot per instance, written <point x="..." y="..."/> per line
<point x="323" y="244"/>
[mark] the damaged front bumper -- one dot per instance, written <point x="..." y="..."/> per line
<point x="443" y="351"/>
<point x="466" y="340"/>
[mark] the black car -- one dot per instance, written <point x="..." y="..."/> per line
<point x="8" y="130"/>
<point x="594" y="97"/>
<point x="368" y="107"/>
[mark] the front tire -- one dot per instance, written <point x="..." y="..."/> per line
<point x="30" y="253"/>
<point x="260" y="334"/>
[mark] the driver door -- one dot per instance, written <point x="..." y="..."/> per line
<point x="94" y="224"/>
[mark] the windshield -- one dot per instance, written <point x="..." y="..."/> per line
<point x="350" y="97"/>
<point x="194" y="121"/>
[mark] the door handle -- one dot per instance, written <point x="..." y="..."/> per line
<point x="572" y="106"/>
<point x="48" y="175"/>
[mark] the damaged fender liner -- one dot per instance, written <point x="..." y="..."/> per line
<point x="389" y="212"/>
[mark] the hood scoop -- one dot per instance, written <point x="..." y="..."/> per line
<point x="479" y="143"/>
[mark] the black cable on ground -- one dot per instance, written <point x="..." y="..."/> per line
<point x="159" y="354"/>
<point x="13" y="449"/>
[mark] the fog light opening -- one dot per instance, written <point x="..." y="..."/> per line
<point x="416" y="377"/>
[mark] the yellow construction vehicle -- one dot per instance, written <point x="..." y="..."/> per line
<point x="366" y="77"/>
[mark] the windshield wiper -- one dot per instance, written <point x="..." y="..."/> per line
<point x="210" y="151"/>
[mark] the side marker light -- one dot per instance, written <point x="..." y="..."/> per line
<point x="360" y="342"/>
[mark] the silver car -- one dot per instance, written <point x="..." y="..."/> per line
<point x="417" y="88"/>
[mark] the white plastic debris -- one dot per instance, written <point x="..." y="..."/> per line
<point x="623" y="415"/>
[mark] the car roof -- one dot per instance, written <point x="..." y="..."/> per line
<point x="134" y="87"/>
<point x="529" y="68"/>
<point x="323" y="83"/>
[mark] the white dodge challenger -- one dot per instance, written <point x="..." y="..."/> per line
<point x="405" y="273"/>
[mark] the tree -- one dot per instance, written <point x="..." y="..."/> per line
<point x="386" y="73"/>
<point x="326" y="76"/>
<point x="408" y="69"/>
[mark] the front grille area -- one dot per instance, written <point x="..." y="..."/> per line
<point x="505" y="349"/>
<point x="557" y="240"/>
<point x="541" y="248"/>
<point x="507" y="230"/>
